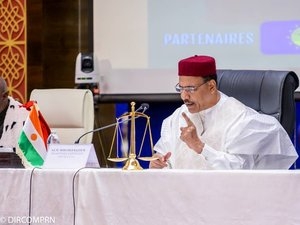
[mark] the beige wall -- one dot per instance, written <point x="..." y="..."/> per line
<point x="124" y="45"/>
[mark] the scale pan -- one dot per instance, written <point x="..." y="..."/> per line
<point x="117" y="159"/>
<point x="151" y="158"/>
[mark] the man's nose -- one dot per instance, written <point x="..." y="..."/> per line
<point x="185" y="95"/>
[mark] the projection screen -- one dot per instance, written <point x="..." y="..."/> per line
<point x="138" y="43"/>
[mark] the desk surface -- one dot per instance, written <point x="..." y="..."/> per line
<point x="113" y="196"/>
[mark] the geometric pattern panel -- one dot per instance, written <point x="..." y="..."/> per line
<point x="13" y="55"/>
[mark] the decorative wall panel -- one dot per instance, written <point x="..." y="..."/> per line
<point x="13" y="58"/>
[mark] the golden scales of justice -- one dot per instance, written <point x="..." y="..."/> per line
<point x="131" y="161"/>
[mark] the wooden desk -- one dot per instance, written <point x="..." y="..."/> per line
<point x="10" y="160"/>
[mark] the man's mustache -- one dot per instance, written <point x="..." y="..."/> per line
<point x="187" y="102"/>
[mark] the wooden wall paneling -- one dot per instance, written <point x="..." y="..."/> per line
<point x="34" y="45"/>
<point x="60" y="42"/>
<point x="53" y="45"/>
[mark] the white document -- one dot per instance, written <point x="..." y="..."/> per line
<point x="75" y="156"/>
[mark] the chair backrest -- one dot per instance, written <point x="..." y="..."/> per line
<point x="266" y="91"/>
<point x="70" y="112"/>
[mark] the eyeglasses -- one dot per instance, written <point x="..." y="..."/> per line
<point x="189" y="89"/>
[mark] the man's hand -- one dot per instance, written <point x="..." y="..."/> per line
<point x="160" y="162"/>
<point x="189" y="135"/>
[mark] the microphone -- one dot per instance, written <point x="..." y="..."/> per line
<point x="143" y="107"/>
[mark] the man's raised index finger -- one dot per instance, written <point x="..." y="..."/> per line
<point x="187" y="119"/>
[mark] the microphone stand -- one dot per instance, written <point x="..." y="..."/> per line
<point x="98" y="129"/>
<point x="143" y="107"/>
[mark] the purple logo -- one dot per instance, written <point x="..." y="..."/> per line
<point x="280" y="37"/>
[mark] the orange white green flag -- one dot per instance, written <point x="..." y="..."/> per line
<point x="33" y="138"/>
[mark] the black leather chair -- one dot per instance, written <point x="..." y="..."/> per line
<point x="266" y="91"/>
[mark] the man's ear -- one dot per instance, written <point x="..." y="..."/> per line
<point x="212" y="85"/>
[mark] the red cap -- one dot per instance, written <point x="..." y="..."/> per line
<point x="198" y="66"/>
